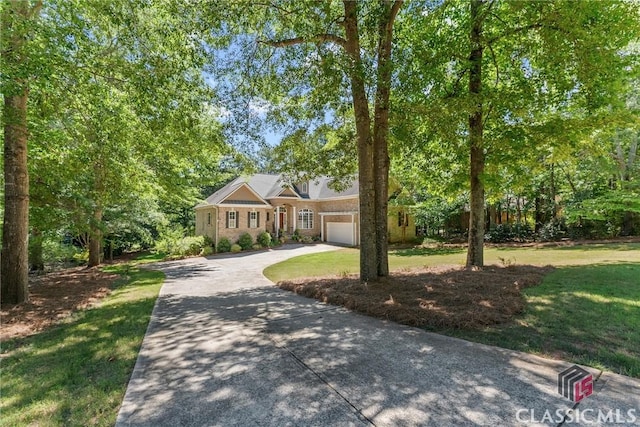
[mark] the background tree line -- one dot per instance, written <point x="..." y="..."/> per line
<point x="130" y="110"/>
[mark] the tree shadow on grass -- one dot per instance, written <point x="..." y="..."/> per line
<point x="75" y="372"/>
<point x="587" y="314"/>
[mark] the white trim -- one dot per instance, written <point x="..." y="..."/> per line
<point x="338" y="213"/>
<point x="227" y="205"/>
<point x="288" y="187"/>
<point x="239" y="187"/>
<point x="295" y="219"/>
<point x="235" y="219"/>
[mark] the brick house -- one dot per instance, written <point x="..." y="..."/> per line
<point x="265" y="202"/>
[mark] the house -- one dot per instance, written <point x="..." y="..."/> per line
<point x="265" y="202"/>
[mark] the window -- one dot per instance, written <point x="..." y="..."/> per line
<point x="403" y="219"/>
<point x="304" y="188"/>
<point x="232" y="219"/>
<point x="253" y="220"/>
<point x="267" y="216"/>
<point x="208" y="218"/>
<point x="305" y="219"/>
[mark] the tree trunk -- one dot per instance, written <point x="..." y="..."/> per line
<point x="368" y="239"/>
<point x="15" y="229"/>
<point x="95" y="239"/>
<point x="14" y="269"/>
<point x="475" y="255"/>
<point x="381" y="133"/>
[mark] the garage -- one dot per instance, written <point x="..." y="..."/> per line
<point x="340" y="232"/>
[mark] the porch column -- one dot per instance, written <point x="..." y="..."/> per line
<point x="353" y="230"/>
<point x="321" y="228"/>
<point x="277" y="219"/>
<point x="295" y="219"/>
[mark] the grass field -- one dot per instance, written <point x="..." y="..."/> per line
<point x="345" y="261"/>
<point x="586" y="311"/>
<point x="76" y="373"/>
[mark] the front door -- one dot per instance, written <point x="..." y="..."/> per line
<point x="281" y="219"/>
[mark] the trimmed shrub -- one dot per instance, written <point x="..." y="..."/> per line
<point x="235" y="248"/>
<point x="206" y="251"/>
<point x="224" y="245"/>
<point x="264" y="239"/>
<point x="245" y="241"/>
<point x="256" y="246"/>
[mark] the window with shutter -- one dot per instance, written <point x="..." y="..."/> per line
<point x="232" y="219"/>
<point x="253" y="219"/>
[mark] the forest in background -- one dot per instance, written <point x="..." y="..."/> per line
<point x="500" y="120"/>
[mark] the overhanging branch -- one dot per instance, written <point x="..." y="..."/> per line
<point x="318" y="38"/>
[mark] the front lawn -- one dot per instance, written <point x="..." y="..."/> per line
<point x="345" y="261"/>
<point x="587" y="310"/>
<point x="76" y="373"/>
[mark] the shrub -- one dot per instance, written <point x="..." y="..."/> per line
<point x="306" y="239"/>
<point x="189" y="246"/>
<point x="521" y="232"/>
<point x="553" y="230"/>
<point x="208" y="241"/>
<point x="235" y="248"/>
<point x="245" y="241"/>
<point x="224" y="245"/>
<point x="500" y="234"/>
<point x="256" y="246"/>
<point x="206" y="251"/>
<point x="264" y="239"/>
<point x="55" y="252"/>
<point x="296" y="236"/>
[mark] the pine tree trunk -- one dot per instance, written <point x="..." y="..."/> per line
<point x="475" y="255"/>
<point x="368" y="239"/>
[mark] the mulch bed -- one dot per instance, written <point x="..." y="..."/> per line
<point x="439" y="297"/>
<point x="52" y="297"/>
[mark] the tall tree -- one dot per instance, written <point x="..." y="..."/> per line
<point x="342" y="51"/>
<point x="497" y="82"/>
<point x="17" y="24"/>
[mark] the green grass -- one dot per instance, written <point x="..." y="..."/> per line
<point x="586" y="311"/>
<point x="587" y="314"/>
<point x="77" y="372"/>
<point x="346" y="261"/>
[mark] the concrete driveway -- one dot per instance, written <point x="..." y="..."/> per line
<point x="226" y="348"/>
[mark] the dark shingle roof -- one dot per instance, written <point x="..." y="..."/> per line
<point x="269" y="186"/>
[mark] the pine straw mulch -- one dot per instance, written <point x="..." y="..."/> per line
<point x="439" y="297"/>
<point x="52" y="297"/>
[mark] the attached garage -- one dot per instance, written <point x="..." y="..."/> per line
<point x="341" y="232"/>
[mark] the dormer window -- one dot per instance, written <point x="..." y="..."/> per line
<point x="304" y="188"/>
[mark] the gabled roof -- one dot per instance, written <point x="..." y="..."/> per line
<point x="267" y="186"/>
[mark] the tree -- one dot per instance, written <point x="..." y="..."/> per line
<point x="533" y="71"/>
<point x="345" y="51"/>
<point x="17" y="18"/>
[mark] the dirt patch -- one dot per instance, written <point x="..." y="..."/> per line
<point x="52" y="297"/>
<point x="441" y="297"/>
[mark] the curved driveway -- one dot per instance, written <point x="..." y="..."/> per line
<point x="226" y="348"/>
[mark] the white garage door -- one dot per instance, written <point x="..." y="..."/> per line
<point x="340" y="232"/>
